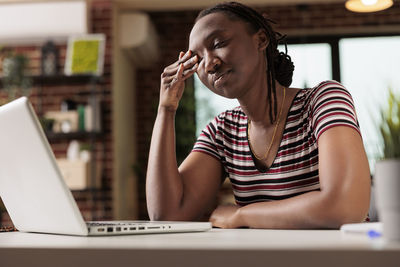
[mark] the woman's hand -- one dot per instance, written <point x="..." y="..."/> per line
<point x="225" y="216"/>
<point x="173" y="80"/>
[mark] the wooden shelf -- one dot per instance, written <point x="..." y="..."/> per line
<point x="62" y="79"/>
<point x="39" y="80"/>
<point x="51" y="136"/>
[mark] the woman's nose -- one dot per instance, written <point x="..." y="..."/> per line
<point x="211" y="63"/>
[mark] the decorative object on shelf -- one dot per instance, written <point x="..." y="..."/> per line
<point x="93" y="115"/>
<point x="81" y="117"/>
<point x="68" y="104"/>
<point x="76" y="167"/>
<point x="387" y="170"/>
<point x="85" y="55"/>
<point x="64" y="121"/>
<point x="49" y="59"/>
<point x="77" y="116"/>
<point x="73" y="150"/>
<point x="15" y="78"/>
<point x="368" y="5"/>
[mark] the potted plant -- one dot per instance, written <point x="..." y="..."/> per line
<point x="390" y="127"/>
<point x="15" y="80"/>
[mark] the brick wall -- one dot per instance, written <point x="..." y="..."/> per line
<point x="97" y="204"/>
<point x="174" y="28"/>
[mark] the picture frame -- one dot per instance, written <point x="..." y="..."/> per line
<point x="85" y="55"/>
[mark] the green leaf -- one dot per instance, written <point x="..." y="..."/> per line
<point x="390" y="127"/>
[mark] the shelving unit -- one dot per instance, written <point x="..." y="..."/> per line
<point x="40" y="80"/>
<point x="92" y="86"/>
<point x="51" y="136"/>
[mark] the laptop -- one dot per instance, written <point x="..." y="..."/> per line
<point x="35" y="193"/>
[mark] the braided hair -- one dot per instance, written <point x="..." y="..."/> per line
<point x="279" y="65"/>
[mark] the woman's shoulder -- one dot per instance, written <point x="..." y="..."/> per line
<point x="326" y="89"/>
<point x="327" y="86"/>
<point x="233" y="115"/>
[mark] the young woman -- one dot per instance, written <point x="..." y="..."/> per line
<point x="295" y="158"/>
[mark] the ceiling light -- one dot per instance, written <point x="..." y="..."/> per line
<point x="368" y="5"/>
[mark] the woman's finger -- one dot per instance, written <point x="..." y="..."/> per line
<point x="179" y="74"/>
<point x="185" y="57"/>
<point x="188" y="72"/>
<point x="169" y="71"/>
<point x="174" y="66"/>
<point x="188" y="64"/>
<point x="168" y="79"/>
<point x="181" y="58"/>
<point x="181" y="54"/>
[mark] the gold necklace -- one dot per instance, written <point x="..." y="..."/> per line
<point x="273" y="135"/>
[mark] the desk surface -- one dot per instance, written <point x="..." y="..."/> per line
<point x="214" y="248"/>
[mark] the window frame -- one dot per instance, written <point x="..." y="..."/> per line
<point x="333" y="41"/>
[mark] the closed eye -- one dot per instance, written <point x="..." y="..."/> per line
<point x="219" y="45"/>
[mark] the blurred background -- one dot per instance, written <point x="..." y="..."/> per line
<point x="99" y="118"/>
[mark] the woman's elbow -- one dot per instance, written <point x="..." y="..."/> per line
<point x="353" y="214"/>
<point x="349" y="209"/>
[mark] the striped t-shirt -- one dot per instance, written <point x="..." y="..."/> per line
<point x="295" y="168"/>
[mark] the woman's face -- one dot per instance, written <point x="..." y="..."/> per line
<point x="231" y="59"/>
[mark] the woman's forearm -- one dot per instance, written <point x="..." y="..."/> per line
<point x="163" y="183"/>
<point x="309" y="210"/>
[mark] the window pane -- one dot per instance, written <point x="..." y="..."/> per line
<point x="209" y="105"/>
<point x="369" y="66"/>
<point x="312" y="63"/>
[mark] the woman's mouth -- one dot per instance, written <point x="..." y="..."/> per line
<point x="221" y="78"/>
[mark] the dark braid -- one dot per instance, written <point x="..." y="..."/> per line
<point x="279" y="64"/>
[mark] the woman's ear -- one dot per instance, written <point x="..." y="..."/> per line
<point x="262" y="40"/>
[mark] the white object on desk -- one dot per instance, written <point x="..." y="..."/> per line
<point x="361" y="228"/>
<point x="387" y="183"/>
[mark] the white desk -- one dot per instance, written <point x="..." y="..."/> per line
<point x="239" y="247"/>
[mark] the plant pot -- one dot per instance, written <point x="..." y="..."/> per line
<point x="387" y="182"/>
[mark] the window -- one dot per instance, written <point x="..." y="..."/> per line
<point x="312" y="63"/>
<point x="369" y="67"/>
<point x="209" y="105"/>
